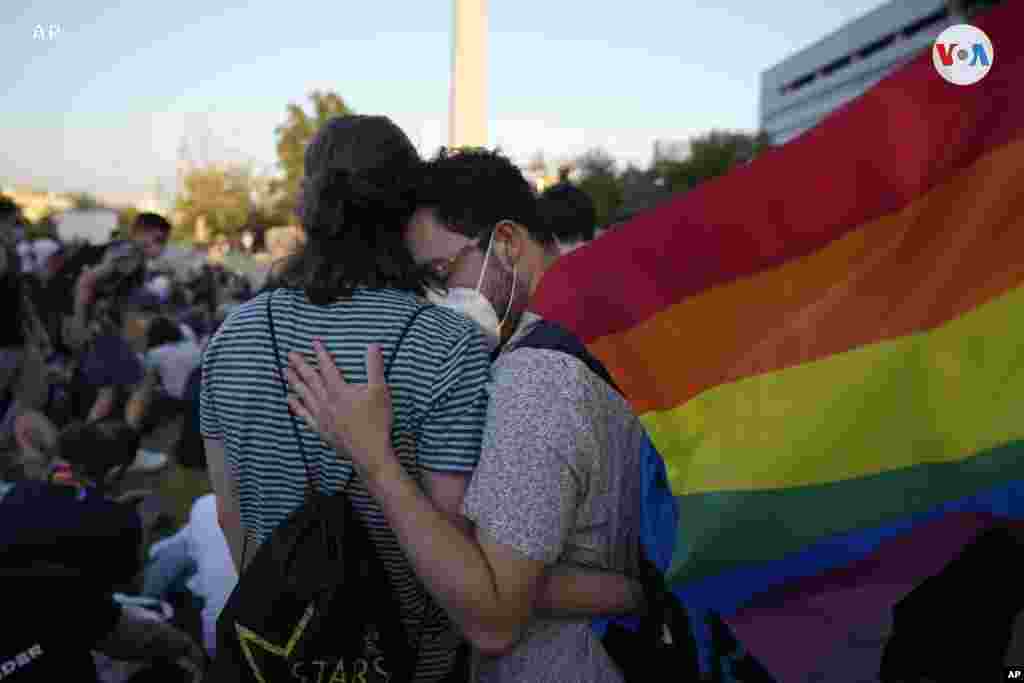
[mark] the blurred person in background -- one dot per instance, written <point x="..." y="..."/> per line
<point x="64" y="615"/>
<point x="196" y="559"/>
<point x="569" y="214"/>
<point x="24" y="344"/>
<point x="92" y="290"/>
<point x="172" y="354"/>
<point x="60" y="509"/>
<point x="101" y="385"/>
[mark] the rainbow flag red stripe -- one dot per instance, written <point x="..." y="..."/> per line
<point x="827" y="345"/>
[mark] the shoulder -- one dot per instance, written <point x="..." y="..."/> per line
<point x="459" y="333"/>
<point x="122" y="249"/>
<point x="435" y="329"/>
<point x="541" y="374"/>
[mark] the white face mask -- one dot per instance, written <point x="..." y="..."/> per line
<point x="474" y="305"/>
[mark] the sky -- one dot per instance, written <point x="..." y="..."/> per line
<point x="97" y="96"/>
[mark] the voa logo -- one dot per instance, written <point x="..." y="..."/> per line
<point x="963" y="54"/>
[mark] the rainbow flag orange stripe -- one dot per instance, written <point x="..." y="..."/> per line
<point x="827" y="345"/>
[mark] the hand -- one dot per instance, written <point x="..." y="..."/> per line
<point x="354" y="418"/>
<point x="194" y="662"/>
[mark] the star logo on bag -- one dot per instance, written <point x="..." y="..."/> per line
<point x="250" y="640"/>
<point x="370" y="646"/>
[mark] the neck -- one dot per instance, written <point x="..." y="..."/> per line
<point x="548" y="258"/>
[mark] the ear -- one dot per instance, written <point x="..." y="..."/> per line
<point x="511" y="241"/>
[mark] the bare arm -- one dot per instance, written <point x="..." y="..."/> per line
<point x="488" y="589"/>
<point x="141" y="398"/>
<point x="224" y="487"/>
<point x="568" y="592"/>
<point x="76" y="326"/>
<point x="103" y="406"/>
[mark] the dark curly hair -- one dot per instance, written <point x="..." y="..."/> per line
<point x="568" y="212"/>
<point x="162" y="330"/>
<point x="472" y="190"/>
<point x="356" y="203"/>
<point x="151" y="221"/>
<point x="99" y="448"/>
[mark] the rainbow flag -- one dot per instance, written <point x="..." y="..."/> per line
<point x="827" y="348"/>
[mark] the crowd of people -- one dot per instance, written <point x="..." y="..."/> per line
<point x="101" y="346"/>
<point x="495" y="471"/>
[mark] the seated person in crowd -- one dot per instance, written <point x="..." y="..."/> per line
<point x="23" y="349"/>
<point x="101" y="385"/>
<point x="190" y="451"/>
<point x="64" y="615"/>
<point x="172" y="354"/>
<point x="66" y="516"/>
<point x="196" y="558"/>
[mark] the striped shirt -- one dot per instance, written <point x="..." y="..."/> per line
<point x="438" y="385"/>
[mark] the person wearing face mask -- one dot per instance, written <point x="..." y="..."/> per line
<point x="553" y="504"/>
<point x="472" y="303"/>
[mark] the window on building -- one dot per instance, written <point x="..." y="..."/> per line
<point x="925" y="23"/>
<point x="876" y="46"/>
<point x="835" y="66"/>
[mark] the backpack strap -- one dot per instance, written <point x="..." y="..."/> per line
<point x="284" y="388"/>
<point x="284" y="382"/>
<point x="550" y="336"/>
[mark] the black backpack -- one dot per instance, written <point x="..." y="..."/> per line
<point x="315" y="603"/>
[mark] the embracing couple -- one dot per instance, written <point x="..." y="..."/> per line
<point x="502" y="497"/>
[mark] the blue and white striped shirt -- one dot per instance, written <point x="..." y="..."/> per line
<point x="438" y="384"/>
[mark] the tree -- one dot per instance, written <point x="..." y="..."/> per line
<point x="292" y="137"/>
<point x="126" y="218"/>
<point x="642" y="190"/>
<point x="44" y="228"/>
<point x="710" y="155"/>
<point x="85" y="201"/>
<point x="968" y="9"/>
<point x="221" y="194"/>
<point x="599" y="179"/>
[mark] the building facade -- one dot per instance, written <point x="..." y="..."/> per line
<point x="799" y="92"/>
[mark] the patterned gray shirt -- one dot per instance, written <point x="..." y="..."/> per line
<point x="558" y="480"/>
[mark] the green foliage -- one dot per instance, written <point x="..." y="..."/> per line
<point x="971" y="8"/>
<point x="222" y="195"/>
<point x="711" y="155"/>
<point x="619" y="196"/>
<point x="293" y="136"/>
<point x="599" y="179"/>
<point x="44" y="228"/>
<point x="125" y="218"/>
<point x="84" y="201"/>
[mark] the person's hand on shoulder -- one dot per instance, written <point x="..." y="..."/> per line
<point x="353" y="418"/>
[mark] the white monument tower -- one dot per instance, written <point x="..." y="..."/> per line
<point x="468" y="106"/>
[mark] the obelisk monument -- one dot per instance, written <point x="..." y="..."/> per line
<point x="467" y="123"/>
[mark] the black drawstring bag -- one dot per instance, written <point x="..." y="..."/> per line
<point x="315" y="603"/>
